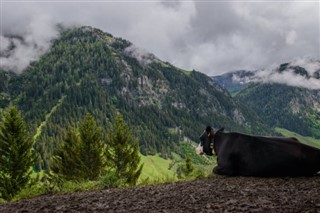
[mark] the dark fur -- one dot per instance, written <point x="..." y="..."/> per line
<point x="246" y="155"/>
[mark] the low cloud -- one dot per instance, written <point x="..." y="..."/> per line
<point x="20" y="48"/>
<point x="309" y="64"/>
<point x="288" y="75"/>
<point x="143" y="57"/>
<point x="289" y="78"/>
<point x="18" y="53"/>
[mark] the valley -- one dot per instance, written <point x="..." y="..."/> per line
<point x="90" y="71"/>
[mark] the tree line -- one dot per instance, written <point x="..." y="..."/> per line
<point x="87" y="152"/>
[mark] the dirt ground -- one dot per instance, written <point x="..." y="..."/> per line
<point x="215" y="194"/>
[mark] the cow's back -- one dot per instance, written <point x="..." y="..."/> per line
<point x="240" y="154"/>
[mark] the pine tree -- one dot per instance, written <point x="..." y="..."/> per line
<point x="92" y="147"/>
<point x="188" y="168"/>
<point x="80" y="157"/>
<point x="122" y="151"/>
<point x="16" y="154"/>
<point x="67" y="161"/>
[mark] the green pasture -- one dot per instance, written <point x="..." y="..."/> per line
<point x="303" y="139"/>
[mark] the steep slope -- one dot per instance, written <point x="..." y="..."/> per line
<point x="4" y="88"/>
<point x="235" y="81"/>
<point x="292" y="108"/>
<point x="87" y="70"/>
<point x="285" y="97"/>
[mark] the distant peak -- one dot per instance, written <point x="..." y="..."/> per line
<point x="300" y="72"/>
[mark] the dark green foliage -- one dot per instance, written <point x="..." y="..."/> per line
<point x="4" y="90"/>
<point x="112" y="180"/>
<point x="278" y="105"/>
<point x="187" y="151"/>
<point x="16" y="154"/>
<point x="189" y="171"/>
<point x="80" y="157"/>
<point x="92" y="148"/>
<point x="87" y="70"/>
<point x="283" y="67"/>
<point x="122" y="152"/>
<point x="284" y="106"/>
<point x="188" y="168"/>
<point x="67" y="159"/>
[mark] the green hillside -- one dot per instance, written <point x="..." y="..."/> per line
<point x="306" y="140"/>
<point x="156" y="168"/>
<point x="292" y="108"/>
<point x="279" y="105"/>
<point x="87" y="70"/>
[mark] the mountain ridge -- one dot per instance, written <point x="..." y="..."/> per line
<point x="102" y="75"/>
<point x="296" y="108"/>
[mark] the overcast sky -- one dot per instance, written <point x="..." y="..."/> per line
<point x="209" y="36"/>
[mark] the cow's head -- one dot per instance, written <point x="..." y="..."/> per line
<point x="210" y="131"/>
<point x="206" y="141"/>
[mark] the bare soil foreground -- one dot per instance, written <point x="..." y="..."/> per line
<point x="216" y="194"/>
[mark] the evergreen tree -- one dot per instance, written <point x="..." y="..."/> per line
<point x="67" y="161"/>
<point x="92" y="147"/>
<point x="80" y="157"/>
<point x="16" y="154"/>
<point x="122" y="151"/>
<point x="188" y="168"/>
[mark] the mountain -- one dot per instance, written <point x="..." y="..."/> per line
<point x="87" y="70"/>
<point x="292" y="108"/>
<point x="284" y="102"/>
<point x="235" y="81"/>
<point x="308" y="68"/>
<point x="303" y="72"/>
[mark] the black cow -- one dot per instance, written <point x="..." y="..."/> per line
<point x="246" y="155"/>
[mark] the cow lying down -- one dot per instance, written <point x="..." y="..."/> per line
<point x="246" y="155"/>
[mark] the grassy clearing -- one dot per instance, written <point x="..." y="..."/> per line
<point x="156" y="168"/>
<point x="186" y="72"/>
<point x="306" y="140"/>
<point x="47" y="117"/>
<point x="159" y="170"/>
<point x="168" y="65"/>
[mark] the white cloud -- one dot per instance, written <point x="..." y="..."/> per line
<point x="142" y="56"/>
<point x="34" y="33"/>
<point x="288" y="78"/>
<point x="211" y="37"/>
<point x="291" y="37"/>
<point x="4" y="43"/>
<point x="309" y="64"/>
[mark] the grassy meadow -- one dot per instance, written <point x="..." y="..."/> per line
<point x="303" y="139"/>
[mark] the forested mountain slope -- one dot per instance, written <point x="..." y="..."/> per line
<point x="285" y="97"/>
<point x="87" y="70"/>
<point x="292" y="108"/>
